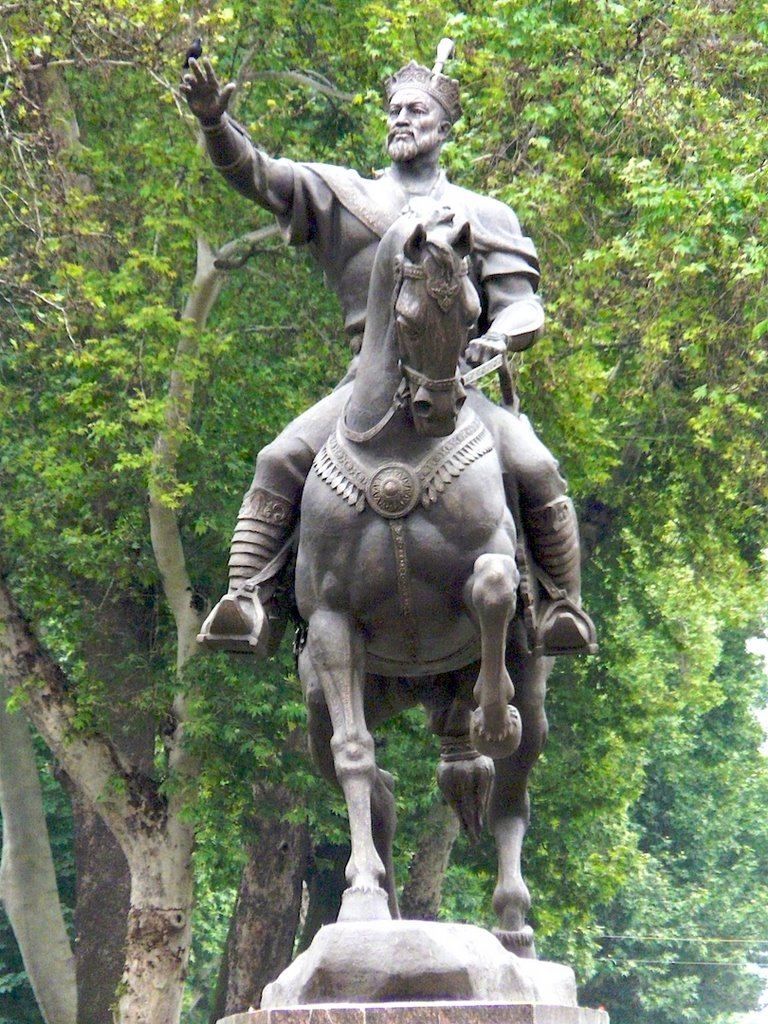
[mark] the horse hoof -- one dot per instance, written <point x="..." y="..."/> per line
<point x="503" y="741"/>
<point x="519" y="942"/>
<point x="364" y="905"/>
<point x="466" y="785"/>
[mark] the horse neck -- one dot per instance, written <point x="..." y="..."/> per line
<point x="378" y="373"/>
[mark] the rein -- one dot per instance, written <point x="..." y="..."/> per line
<point x="360" y="436"/>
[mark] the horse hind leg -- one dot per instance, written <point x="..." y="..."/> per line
<point x="491" y="595"/>
<point x="509" y="808"/>
<point x="384" y="821"/>
<point x="334" y="658"/>
<point x="511" y="898"/>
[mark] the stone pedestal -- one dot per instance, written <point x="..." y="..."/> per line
<point x="424" y="1013"/>
<point x="417" y="972"/>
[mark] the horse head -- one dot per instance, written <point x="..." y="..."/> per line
<point x="435" y="306"/>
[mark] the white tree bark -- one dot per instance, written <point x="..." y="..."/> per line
<point x="154" y="833"/>
<point x="28" y="888"/>
<point x="162" y="878"/>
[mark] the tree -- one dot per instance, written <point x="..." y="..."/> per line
<point x="611" y="131"/>
<point x="28" y="887"/>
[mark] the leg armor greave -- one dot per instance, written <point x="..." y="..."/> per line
<point x="264" y="525"/>
<point x="246" y="620"/>
<point x="553" y="534"/>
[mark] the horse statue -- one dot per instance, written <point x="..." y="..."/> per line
<point x="408" y="576"/>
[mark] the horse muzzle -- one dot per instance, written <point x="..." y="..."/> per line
<point x="435" y="410"/>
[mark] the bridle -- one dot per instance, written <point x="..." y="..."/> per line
<point x="444" y="293"/>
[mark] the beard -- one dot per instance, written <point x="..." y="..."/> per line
<point x="405" y="148"/>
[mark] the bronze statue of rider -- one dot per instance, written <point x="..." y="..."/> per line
<point x="342" y="216"/>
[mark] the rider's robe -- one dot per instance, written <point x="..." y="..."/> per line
<point x="342" y="217"/>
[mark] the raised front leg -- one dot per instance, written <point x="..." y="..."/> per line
<point x="491" y="594"/>
<point x="334" y="657"/>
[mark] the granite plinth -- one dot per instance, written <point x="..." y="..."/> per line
<point x="372" y="962"/>
<point x="424" y="1013"/>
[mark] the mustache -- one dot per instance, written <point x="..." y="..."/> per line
<point x="399" y="133"/>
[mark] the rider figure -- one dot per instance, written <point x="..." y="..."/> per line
<point x="342" y="217"/>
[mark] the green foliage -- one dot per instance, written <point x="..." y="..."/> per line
<point x="630" y="140"/>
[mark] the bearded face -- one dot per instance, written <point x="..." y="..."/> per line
<point x="416" y="124"/>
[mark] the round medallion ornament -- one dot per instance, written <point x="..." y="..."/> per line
<point x="394" y="491"/>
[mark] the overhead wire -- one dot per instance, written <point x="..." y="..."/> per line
<point x="672" y="939"/>
<point x="686" y="938"/>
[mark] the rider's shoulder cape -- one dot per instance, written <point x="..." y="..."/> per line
<point x="500" y="245"/>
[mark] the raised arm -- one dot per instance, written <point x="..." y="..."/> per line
<point x="257" y="176"/>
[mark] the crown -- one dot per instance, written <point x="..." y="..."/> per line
<point x="445" y="90"/>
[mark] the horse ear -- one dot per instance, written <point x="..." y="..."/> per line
<point x="414" y="247"/>
<point x="462" y="241"/>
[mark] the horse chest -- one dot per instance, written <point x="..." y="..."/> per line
<point x="387" y="537"/>
<point x="394" y="487"/>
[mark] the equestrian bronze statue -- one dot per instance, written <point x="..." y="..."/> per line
<point x="438" y="556"/>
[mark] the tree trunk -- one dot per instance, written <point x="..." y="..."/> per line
<point x="326" y="882"/>
<point x="117" y="635"/>
<point x="101" y="913"/>
<point x="266" y="916"/>
<point x="159" y="927"/>
<point x="421" y="894"/>
<point x="27" y="880"/>
<point x="148" y="824"/>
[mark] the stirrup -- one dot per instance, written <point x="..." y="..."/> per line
<point x="564" y="628"/>
<point x="237" y="624"/>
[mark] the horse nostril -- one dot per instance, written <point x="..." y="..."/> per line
<point x="422" y="402"/>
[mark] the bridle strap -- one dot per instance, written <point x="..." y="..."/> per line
<point x="419" y="380"/>
<point x="443" y="292"/>
<point x="417" y="271"/>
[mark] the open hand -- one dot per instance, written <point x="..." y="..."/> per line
<point x="206" y="99"/>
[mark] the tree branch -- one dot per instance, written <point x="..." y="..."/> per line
<point x="235" y="254"/>
<point x="116" y="791"/>
<point x="316" y="83"/>
<point x="80" y="62"/>
<point x="28" y="887"/>
<point x="164" y="527"/>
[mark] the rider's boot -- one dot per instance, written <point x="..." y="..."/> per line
<point x="246" y="619"/>
<point x="563" y="626"/>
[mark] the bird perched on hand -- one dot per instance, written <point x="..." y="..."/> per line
<point x="194" y="51"/>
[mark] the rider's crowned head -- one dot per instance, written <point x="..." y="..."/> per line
<point x="423" y="105"/>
